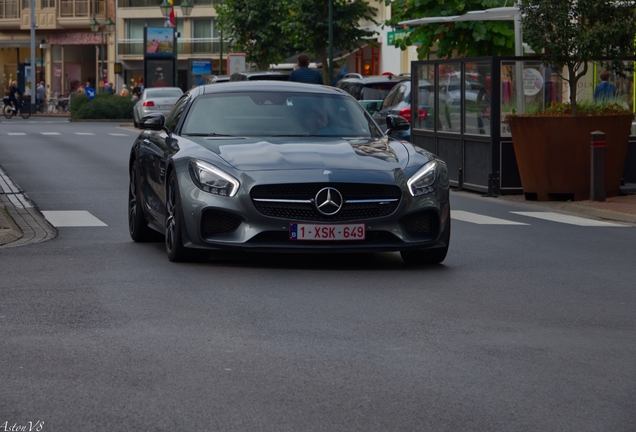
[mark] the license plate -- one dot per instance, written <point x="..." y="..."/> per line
<point x="326" y="232"/>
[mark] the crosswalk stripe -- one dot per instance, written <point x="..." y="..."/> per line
<point x="480" y="219"/>
<point x="118" y="134"/>
<point x="72" y="218"/>
<point x="84" y="133"/>
<point x="16" y="133"/>
<point x="567" y="219"/>
<point x="50" y="133"/>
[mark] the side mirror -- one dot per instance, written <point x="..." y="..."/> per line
<point x="396" y="123"/>
<point x="153" y="121"/>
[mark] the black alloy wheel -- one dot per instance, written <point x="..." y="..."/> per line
<point x="177" y="252"/>
<point x="428" y="257"/>
<point x="137" y="224"/>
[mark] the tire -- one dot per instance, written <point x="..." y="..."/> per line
<point x="135" y="124"/>
<point x="8" y="111"/>
<point x="137" y="224"/>
<point x="432" y="256"/>
<point x="25" y="110"/>
<point x="175" y="249"/>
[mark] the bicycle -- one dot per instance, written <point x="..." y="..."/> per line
<point x="24" y="108"/>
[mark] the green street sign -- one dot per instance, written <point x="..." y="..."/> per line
<point x="397" y="35"/>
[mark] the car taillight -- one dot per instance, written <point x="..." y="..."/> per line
<point x="149" y="103"/>
<point x="406" y="113"/>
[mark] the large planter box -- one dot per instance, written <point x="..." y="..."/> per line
<point x="553" y="154"/>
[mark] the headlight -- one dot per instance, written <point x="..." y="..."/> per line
<point x="428" y="178"/>
<point x="210" y="179"/>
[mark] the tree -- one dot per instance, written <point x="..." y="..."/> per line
<point x="574" y="33"/>
<point x="469" y="38"/>
<point x="255" y="26"/>
<point x="308" y="28"/>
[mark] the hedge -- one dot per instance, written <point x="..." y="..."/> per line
<point x="103" y="106"/>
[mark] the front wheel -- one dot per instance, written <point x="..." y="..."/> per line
<point x="25" y="110"/>
<point x="427" y="257"/>
<point x="8" y="111"/>
<point x="177" y="252"/>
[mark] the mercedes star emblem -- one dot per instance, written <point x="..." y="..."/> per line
<point x="329" y="201"/>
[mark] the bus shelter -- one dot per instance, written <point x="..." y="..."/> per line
<point x="462" y="105"/>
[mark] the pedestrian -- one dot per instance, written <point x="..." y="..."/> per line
<point x="108" y="88"/>
<point x="40" y="94"/>
<point x="136" y="91"/>
<point x="605" y="92"/>
<point x="303" y="73"/>
<point x="14" y="93"/>
<point x="124" y="91"/>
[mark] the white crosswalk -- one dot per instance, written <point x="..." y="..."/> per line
<point x="72" y="218"/>
<point x="479" y="219"/>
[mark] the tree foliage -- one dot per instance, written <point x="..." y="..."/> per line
<point x="464" y="38"/>
<point x="255" y="26"/>
<point x="574" y="33"/>
<point x="308" y="26"/>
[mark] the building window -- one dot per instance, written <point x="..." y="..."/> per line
<point x="202" y="30"/>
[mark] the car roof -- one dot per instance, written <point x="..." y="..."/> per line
<point x="152" y="89"/>
<point x="266" y="86"/>
<point x="370" y="79"/>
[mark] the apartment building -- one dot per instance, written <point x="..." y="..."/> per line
<point x="69" y="52"/>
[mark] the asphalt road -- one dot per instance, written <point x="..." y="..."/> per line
<point x="525" y="327"/>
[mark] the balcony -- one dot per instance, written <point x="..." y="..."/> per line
<point x="9" y="9"/>
<point x="185" y="47"/>
<point x="156" y="3"/>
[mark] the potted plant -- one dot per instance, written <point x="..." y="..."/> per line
<point x="552" y="147"/>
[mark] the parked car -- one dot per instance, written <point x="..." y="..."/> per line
<point x="261" y="76"/>
<point x="155" y="100"/>
<point x="283" y="167"/>
<point x="370" y="91"/>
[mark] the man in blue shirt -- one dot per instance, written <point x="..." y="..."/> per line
<point x="605" y="92"/>
<point x="304" y="74"/>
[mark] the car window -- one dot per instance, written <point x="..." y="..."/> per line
<point x="376" y="91"/>
<point x="267" y="113"/>
<point x="164" y="93"/>
<point x="173" y="117"/>
<point x="388" y="101"/>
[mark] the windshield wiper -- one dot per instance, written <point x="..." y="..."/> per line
<point x="213" y="134"/>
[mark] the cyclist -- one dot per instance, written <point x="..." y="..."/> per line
<point x="12" y="95"/>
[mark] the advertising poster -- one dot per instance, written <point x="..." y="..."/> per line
<point x="159" y="72"/>
<point x="159" y="42"/>
<point x="200" y="70"/>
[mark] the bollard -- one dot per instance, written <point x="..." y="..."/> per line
<point x="460" y="182"/>
<point x="597" y="165"/>
<point x="490" y="185"/>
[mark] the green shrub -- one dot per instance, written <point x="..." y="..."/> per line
<point x="103" y="106"/>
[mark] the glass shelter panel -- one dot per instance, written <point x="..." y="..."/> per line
<point x="426" y="97"/>
<point x="477" y="98"/>
<point x="448" y="92"/>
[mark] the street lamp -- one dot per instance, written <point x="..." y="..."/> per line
<point x="43" y="45"/>
<point x="186" y="10"/>
<point x="95" y="28"/>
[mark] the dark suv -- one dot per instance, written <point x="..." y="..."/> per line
<point x="370" y="91"/>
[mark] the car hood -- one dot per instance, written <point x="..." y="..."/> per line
<point x="256" y="154"/>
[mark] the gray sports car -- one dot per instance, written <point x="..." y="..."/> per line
<point x="283" y="167"/>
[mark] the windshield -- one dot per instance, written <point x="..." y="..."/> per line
<point x="278" y="114"/>
<point x="164" y="93"/>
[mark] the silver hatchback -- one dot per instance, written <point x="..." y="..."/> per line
<point x="156" y="100"/>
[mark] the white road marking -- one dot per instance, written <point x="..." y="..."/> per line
<point x="16" y="133"/>
<point x="50" y="133"/>
<point x="84" y="133"/>
<point x="480" y="219"/>
<point x="567" y="219"/>
<point x="118" y="134"/>
<point x="72" y="218"/>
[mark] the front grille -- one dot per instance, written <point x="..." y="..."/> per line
<point x="217" y="222"/>
<point x="308" y="191"/>
<point x="422" y="224"/>
<point x="282" y="238"/>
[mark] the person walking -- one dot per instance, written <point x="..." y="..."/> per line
<point x="303" y="73"/>
<point x="40" y="95"/>
<point x="605" y="92"/>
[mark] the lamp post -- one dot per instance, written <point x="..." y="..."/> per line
<point x="186" y="10"/>
<point x="95" y="28"/>
<point x="42" y="46"/>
